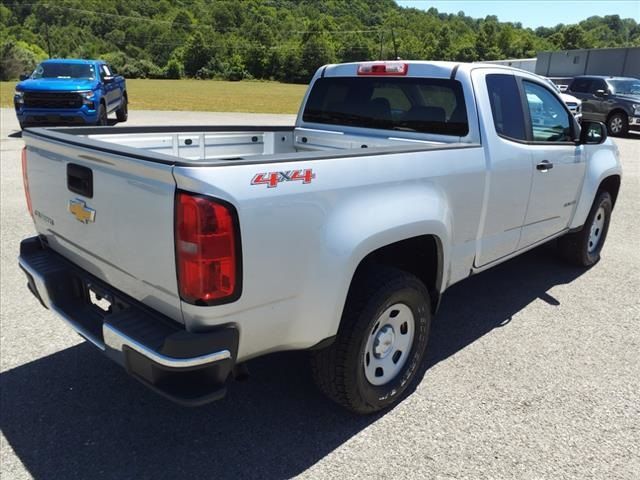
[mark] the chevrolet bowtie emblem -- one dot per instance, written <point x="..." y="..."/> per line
<point x="79" y="209"/>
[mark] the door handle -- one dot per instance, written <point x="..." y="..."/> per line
<point x="544" y="166"/>
<point x="80" y="179"/>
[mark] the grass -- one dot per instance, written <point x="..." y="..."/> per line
<point x="202" y="95"/>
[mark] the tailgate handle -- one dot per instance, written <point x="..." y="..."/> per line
<point x="80" y="179"/>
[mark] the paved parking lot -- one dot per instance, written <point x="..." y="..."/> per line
<point x="534" y="373"/>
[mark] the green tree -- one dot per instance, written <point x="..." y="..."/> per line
<point x="17" y="58"/>
<point x="174" y="69"/>
<point x="573" y="36"/>
<point x="487" y="41"/>
<point x="196" y="54"/>
<point x="279" y="39"/>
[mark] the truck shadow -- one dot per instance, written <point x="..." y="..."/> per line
<point x="74" y="414"/>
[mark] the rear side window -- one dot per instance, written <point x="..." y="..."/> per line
<point x="506" y="106"/>
<point x="580" y="85"/>
<point x="424" y="105"/>
<point x="597" y="84"/>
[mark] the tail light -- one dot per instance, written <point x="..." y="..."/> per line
<point x="384" y="68"/>
<point x="25" y="180"/>
<point x="207" y="250"/>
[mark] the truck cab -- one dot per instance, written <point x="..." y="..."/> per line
<point x="70" y="92"/>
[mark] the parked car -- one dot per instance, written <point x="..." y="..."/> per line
<point x="183" y="252"/>
<point x="70" y="92"/>
<point x="574" y="104"/>
<point x="613" y="100"/>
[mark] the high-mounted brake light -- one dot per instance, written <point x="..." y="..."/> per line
<point x="25" y="180"/>
<point x="207" y="250"/>
<point x="386" y="68"/>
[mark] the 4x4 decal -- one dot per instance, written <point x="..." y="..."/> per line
<point x="272" y="179"/>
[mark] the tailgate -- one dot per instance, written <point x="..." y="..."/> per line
<point x="110" y="214"/>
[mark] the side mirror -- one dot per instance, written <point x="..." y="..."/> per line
<point x="24" y="76"/>
<point x="593" y="133"/>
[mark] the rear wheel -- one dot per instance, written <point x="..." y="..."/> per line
<point x="381" y="342"/>
<point x="618" y="124"/>
<point x="582" y="248"/>
<point x="123" y="112"/>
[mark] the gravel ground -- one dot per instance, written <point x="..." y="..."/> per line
<point x="534" y="373"/>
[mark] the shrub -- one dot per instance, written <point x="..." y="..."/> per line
<point x="174" y="69"/>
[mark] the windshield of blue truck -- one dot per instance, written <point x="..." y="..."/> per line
<point x="424" y="105"/>
<point x="64" y="70"/>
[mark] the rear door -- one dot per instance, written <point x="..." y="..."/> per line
<point x="558" y="163"/>
<point x="580" y="88"/>
<point x="110" y="214"/>
<point x="509" y="166"/>
<point x="601" y="98"/>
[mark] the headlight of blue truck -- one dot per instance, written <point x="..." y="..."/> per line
<point x="18" y="97"/>
<point x="636" y="109"/>
<point x="88" y="98"/>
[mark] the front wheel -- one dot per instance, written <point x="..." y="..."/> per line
<point x="122" y="113"/>
<point x="380" y="347"/>
<point x="102" y="116"/>
<point x="582" y="248"/>
<point x="618" y="124"/>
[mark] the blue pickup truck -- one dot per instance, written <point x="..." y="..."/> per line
<point x="70" y="92"/>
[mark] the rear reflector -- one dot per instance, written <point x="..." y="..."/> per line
<point x="386" y="68"/>
<point x="207" y="250"/>
<point x="25" y="180"/>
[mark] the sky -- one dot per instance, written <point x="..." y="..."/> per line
<point x="533" y="13"/>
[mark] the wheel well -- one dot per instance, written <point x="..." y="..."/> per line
<point x="612" y="185"/>
<point x="420" y="256"/>
<point x="613" y="112"/>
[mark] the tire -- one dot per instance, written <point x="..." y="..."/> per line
<point x="380" y="307"/>
<point x="618" y="124"/>
<point x="582" y="248"/>
<point x="122" y="114"/>
<point x="102" y="116"/>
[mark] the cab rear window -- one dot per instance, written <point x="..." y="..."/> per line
<point x="424" y="105"/>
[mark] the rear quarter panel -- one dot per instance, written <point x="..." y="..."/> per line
<point x="301" y="243"/>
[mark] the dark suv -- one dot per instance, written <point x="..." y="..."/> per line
<point x="612" y="100"/>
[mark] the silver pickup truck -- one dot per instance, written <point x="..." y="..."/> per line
<point x="183" y="252"/>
